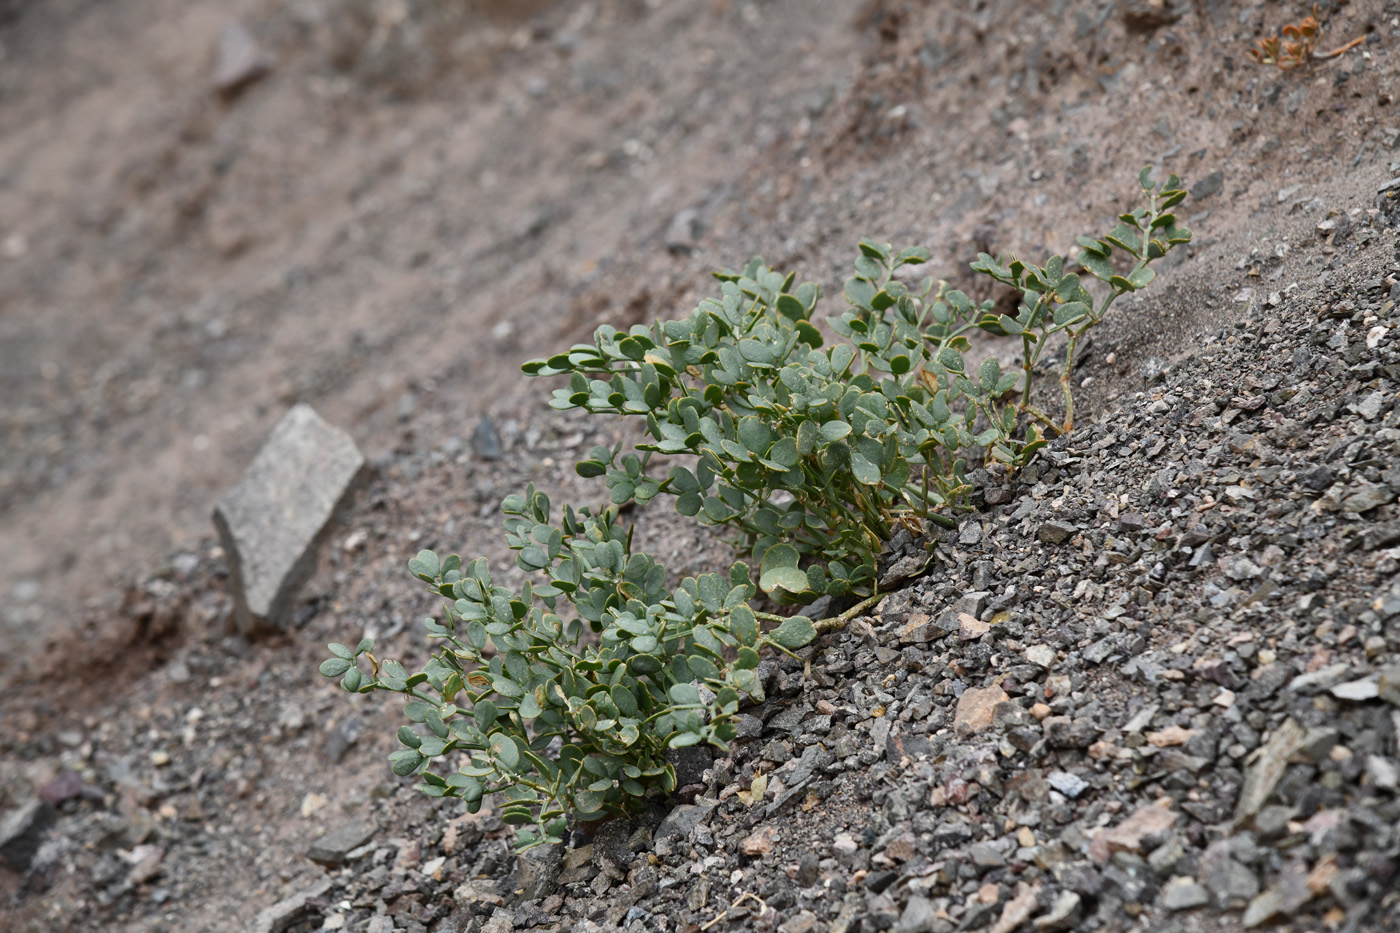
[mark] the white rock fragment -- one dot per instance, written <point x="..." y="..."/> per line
<point x="271" y="523"/>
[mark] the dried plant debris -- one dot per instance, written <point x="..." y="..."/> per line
<point x="1297" y="44"/>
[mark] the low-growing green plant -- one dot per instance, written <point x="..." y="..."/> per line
<point x="553" y="724"/>
<point x="1055" y="300"/>
<point x="816" y="453"/>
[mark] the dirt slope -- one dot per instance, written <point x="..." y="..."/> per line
<point x="408" y="204"/>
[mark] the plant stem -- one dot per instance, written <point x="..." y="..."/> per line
<point x="1026" y="363"/>
<point x="923" y="478"/>
<point x="840" y="622"/>
<point x="1065" y="377"/>
<point x="1043" y="418"/>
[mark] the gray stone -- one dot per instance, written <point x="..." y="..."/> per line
<point x="271" y="523"/>
<point x="879" y="734"/>
<point x="1264" y="774"/>
<point x="1063" y="732"/>
<point x="502" y="921"/>
<point x="1040" y="655"/>
<point x="1218" y="12"/>
<point x="1271" y="823"/>
<point x="1062" y="915"/>
<point x="1100" y="651"/>
<point x="1367" y="688"/>
<point x="786" y="721"/>
<point x="747" y="727"/>
<point x="345" y="734"/>
<point x="919" y="628"/>
<point x="336" y="845"/>
<point x="1317" y="744"/>
<point x="21" y="833"/>
<point x="918" y="916"/>
<point x="1166" y="857"/>
<point x="1388" y="685"/>
<point x="1132" y="522"/>
<point x="284" y="913"/>
<point x="1288" y="894"/>
<point x="684" y="231"/>
<point x="813" y="757"/>
<point x="1242" y="568"/>
<point x="239" y="60"/>
<point x="1382" y="773"/>
<point x="486" y="441"/>
<point x="680" y="821"/>
<point x="972" y="603"/>
<point x="480" y="891"/>
<point x="794" y="792"/>
<point x="1147" y="15"/>
<point x="910" y="565"/>
<point x="1154" y="370"/>
<point x="578" y="865"/>
<point x="1370" y="406"/>
<point x="1055" y="532"/>
<point x="1230" y="883"/>
<point x="1208" y="186"/>
<point x="1319" y="680"/>
<point x="1182" y="893"/>
<point x="1071" y="785"/>
<point x="380" y="924"/>
<point x="986" y="855"/>
<point x="66" y="786"/>
<point x="1367" y="498"/>
<point x="1319" y="478"/>
<point x="804" y="921"/>
<point x="1388" y="201"/>
<point x="537" y="871"/>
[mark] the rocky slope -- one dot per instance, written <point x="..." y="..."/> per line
<point x="1150" y="684"/>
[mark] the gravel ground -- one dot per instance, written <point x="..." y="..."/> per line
<point x="1152" y="683"/>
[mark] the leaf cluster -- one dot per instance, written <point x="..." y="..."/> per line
<point x="814" y="453"/>
<point x="1055" y="300"/>
<point x="551" y="721"/>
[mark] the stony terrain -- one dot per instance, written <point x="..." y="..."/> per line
<point x="1150" y="684"/>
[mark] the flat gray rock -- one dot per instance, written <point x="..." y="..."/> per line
<point x="478" y="891"/>
<point x="335" y="846"/>
<point x="1184" y="894"/>
<point x="1388" y="685"/>
<point x="1208" y="186"/>
<point x="21" y="832"/>
<point x="680" y="821"/>
<point x="284" y="913"/>
<point x="537" y="871"/>
<point x="239" y="60"/>
<point x="270" y="523"/>
<point x="918" y="916"/>
<point x="1055" y="532"/>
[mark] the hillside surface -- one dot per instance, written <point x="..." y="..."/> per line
<point x="1151" y="684"/>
